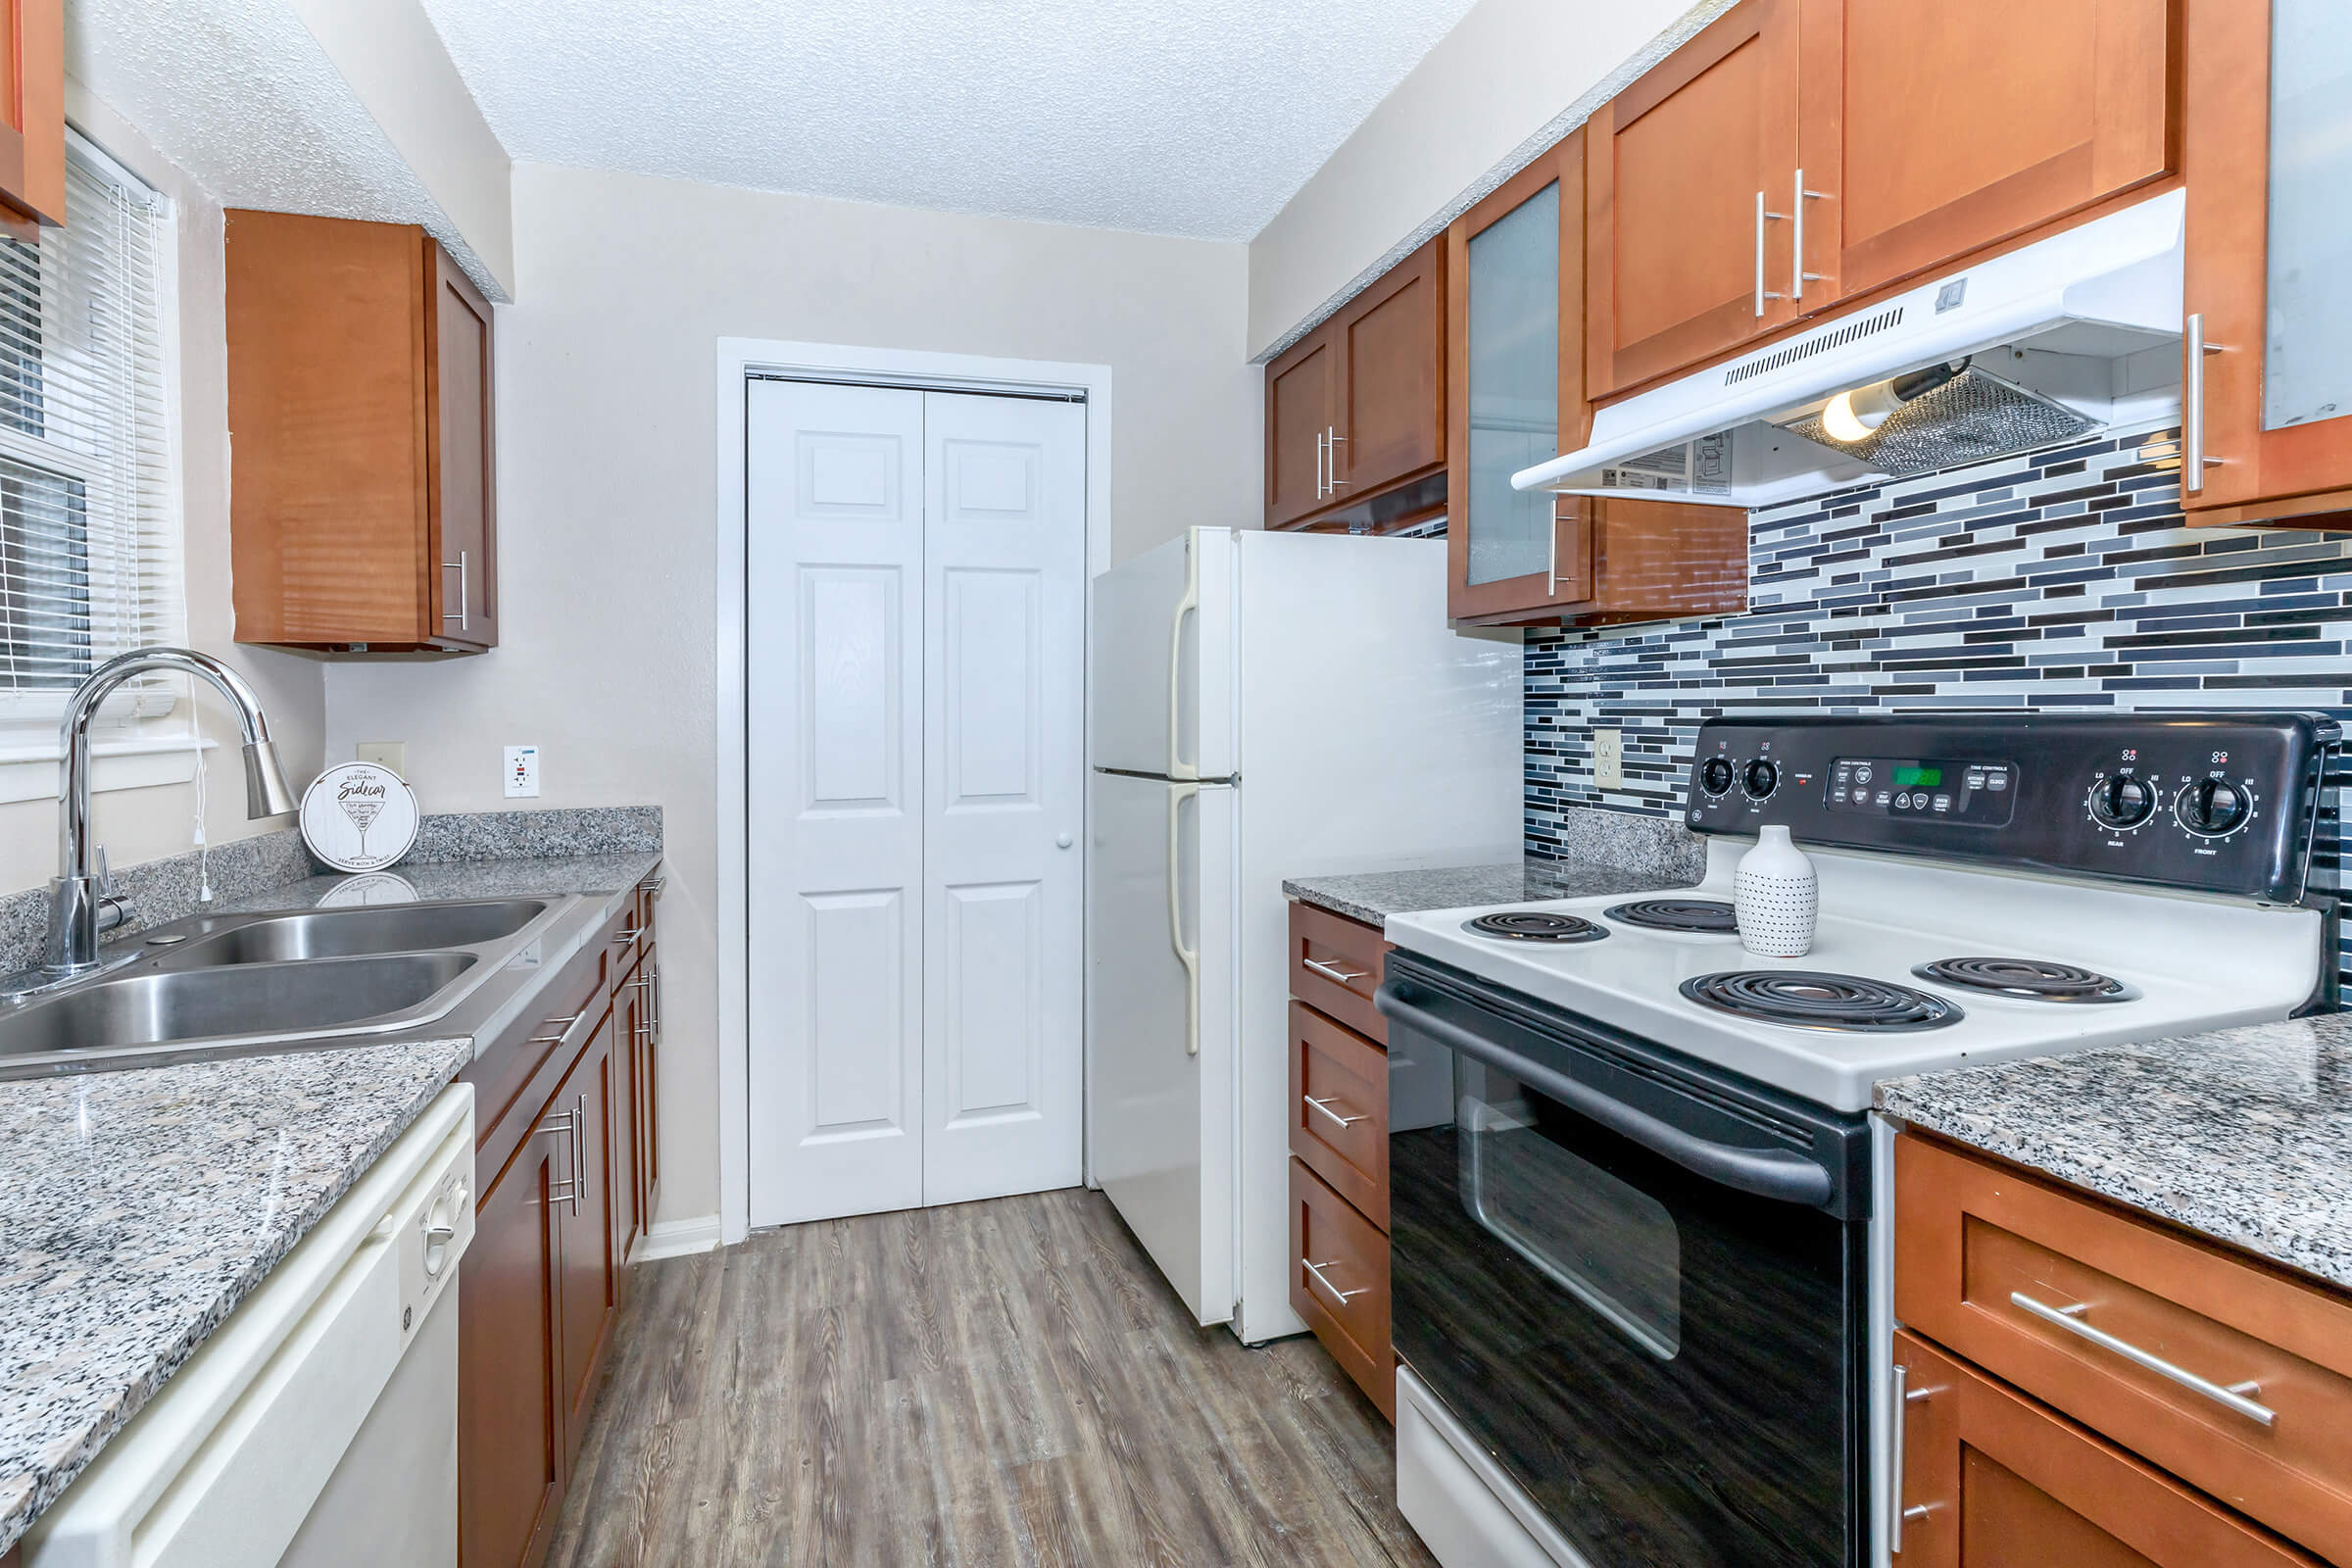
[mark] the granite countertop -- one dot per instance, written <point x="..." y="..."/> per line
<point x="2245" y="1134"/>
<point x="1373" y="897"/>
<point x="454" y="879"/>
<point x="137" y="1208"/>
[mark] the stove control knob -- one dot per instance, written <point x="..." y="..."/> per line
<point x="1761" y="779"/>
<point x="1715" y="776"/>
<point x="2120" y="801"/>
<point x="2212" y="807"/>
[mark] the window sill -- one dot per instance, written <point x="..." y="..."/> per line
<point x="35" y="771"/>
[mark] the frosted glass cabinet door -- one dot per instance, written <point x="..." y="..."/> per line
<point x="1515" y="389"/>
<point x="2268" y="164"/>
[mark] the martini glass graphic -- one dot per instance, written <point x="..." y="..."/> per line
<point x="362" y="813"/>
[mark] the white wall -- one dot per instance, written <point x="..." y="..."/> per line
<point x="1509" y="69"/>
<point x="146" y="824"/>
<point x="607" y="490"/>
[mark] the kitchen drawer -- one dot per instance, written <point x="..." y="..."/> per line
<point x="1345" y="1295"/>
<point x="1991" y="1478"/>
<point x="1340" y="1109"/>
<point x="1335" y="967"/>
<point x="2072" y="1298"/>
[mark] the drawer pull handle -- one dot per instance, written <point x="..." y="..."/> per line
<point x="623" y="938"/>
<point x="1338" y="1295"/>
<point x="563" y="1028"/>
<point x="2069" y="1318"/>
<point x="1328" y="971"/>
<point x="1324" y="1105"/>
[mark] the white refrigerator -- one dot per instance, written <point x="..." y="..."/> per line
<point x="1262" y="705"/>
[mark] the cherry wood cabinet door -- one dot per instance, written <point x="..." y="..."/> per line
<point x="584" y="1221"/>
<point x="626" y="1214"/>
<point x="1391" y="419"/>
<point x="1687" y="231"/>
<point x="512" y="1458"/>
<point x="1931" y="131"/>
<point x="1515" y="393"/>
<point x="1301" y="408"/>
<point x="459" y="371"/>
<point x="2268" y="406"/>
<point x="32" y="115"/>
<point x="1989" y="1479"/>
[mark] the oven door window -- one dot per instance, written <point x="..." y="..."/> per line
<point x="1669" y="1368"/>
<point x="1603" y="1241"/>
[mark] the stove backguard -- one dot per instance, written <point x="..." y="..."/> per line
<point x="2212" y="802"/>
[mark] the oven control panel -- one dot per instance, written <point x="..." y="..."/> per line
<point x="2220" y="803"/>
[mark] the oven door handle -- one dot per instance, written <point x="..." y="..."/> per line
<point x="1765" y="1172"/>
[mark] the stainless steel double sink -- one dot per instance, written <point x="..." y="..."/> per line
<point x="228" y="985"/>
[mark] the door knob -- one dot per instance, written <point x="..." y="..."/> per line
<point x="1062" y="841"/>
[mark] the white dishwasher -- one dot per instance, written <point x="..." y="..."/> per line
<point x="318" y="1424"/>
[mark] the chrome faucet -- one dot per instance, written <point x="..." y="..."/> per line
<point x="81" y="906"/>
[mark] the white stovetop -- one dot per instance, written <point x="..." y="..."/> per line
<point x="2197" y="965"/>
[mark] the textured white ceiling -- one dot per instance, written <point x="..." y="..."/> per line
<point x="238" y="93"/>
<point x="1178" y="116"/>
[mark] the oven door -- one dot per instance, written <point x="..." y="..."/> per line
<point x="1636" y="1283"/>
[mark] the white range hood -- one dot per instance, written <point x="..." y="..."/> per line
<point x="2085" y="323"/>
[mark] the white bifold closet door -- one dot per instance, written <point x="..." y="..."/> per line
<point x="916" y="575"/>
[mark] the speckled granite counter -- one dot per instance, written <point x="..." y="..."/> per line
<point x="138" y="1208"/>
<point x="2245" y="1134"/>
<point x="1374" y="897"/>
<point x="454" y="879"/>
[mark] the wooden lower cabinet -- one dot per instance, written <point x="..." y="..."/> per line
<point x="1991" y="1478"/>
<point x="512" y="1454"/>
<point x="590" y="1292"/>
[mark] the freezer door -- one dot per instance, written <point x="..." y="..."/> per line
<point x="1159" y="1036"/>
<point x="1160" y="653"/>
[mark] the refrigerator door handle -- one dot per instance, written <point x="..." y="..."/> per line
<point x="1189" y="605"/>
<point x="1178" y="794"/>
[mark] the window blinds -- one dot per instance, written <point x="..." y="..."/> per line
<point x="90" y="535"/>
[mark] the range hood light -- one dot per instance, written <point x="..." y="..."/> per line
<point x="1852" y="415"/>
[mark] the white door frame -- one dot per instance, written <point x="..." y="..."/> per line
<point x="739" y="359"/>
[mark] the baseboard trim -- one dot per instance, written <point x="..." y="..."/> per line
<point x="676" y="1238"/>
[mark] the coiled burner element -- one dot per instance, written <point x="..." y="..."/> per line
<point x="1805" y="999"/>
<point x="2028" y="979"/>
<point x="1535" y="926"/>
<point x="1710" y="915"/>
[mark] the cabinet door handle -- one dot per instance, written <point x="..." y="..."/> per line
<point x="1762" y="216"/>
<point x="1551" y="571"/>
<point x="459" y="567"/>
<point x="2070" y="1318"/>
<point x="1324" y="1105"/>
<point x="1802" y="276"/>
<point x="1338" y="1295"/>
<point x="579" y="1148"/>
<point x="2193" y="460"/>
<point x="560" y="1124"/>
<point x="1331" y="444"/>
<point x="1896" y="1514"/>
<point x="1332" y="971"/>
<point x="1321" y="451"/>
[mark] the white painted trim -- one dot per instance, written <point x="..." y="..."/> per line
<point x="36" y="772"/>
<point x="676" y="1238"/>
<point x="739" y="358"/>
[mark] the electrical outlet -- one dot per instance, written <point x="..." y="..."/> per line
<point x="1608" y="758"/>
<point x="523" y="772"/>
<point x="393" y="755"/>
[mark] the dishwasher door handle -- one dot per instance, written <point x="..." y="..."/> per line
<point x="1766" y="1172"/>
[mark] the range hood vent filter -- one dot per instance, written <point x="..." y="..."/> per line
<point x="1972" y="417"/>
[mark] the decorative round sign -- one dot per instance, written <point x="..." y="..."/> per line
<point x="358" y="816"/>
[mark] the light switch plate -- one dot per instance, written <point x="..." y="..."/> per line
<point x="523" y="772"/>
<point x="1608" y="758"/>
<point x="393" y="755"/>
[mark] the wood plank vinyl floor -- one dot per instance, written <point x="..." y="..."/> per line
<point x="998" y="1384"/>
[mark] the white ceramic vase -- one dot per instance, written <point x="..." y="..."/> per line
<point x="1775" y="898"/>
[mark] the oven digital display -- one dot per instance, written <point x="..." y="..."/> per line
<point x="1923" y="789"/>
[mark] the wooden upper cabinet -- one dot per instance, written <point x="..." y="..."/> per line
<point x="2268" y="406"/>
<point x="359" y="386"/>
<point x="1931" y="131"/>
<point x="1686" y="225"/>
<point x="1357" y="407"/>
<point x="32" y="115"/>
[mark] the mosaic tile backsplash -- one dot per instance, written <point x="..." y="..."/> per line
<point x="2062" y="581"/>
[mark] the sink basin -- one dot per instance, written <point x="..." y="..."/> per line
<point x="181" y="1004"/>
<point x="348" y="933"/>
